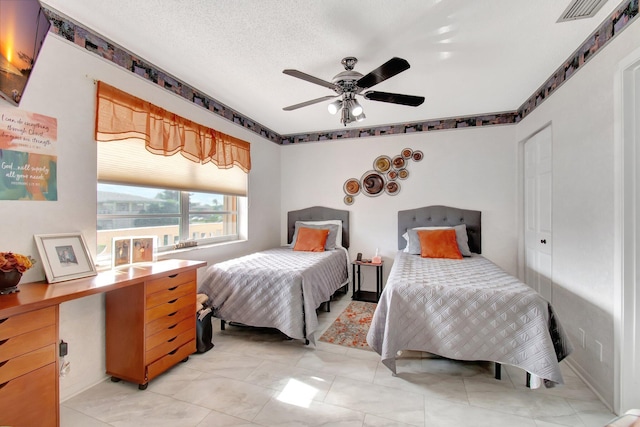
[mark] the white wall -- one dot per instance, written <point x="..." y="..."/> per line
<point x="581" y="113"/>
<point x="472" y="168"/>
<point x="62" y="86"/>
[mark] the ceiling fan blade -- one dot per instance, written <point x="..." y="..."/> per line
<point x="311" y="102"/>
<point x="394" y="98"/>
<point x="309" y="78"/>
<point x="387" y="70"/>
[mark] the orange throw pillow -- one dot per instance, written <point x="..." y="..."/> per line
<point x="439" y="244"/>
<point x="311" y="239"/>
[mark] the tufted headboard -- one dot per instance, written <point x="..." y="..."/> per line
<point x="318" y="213"/>
<point x="433" y="216"/>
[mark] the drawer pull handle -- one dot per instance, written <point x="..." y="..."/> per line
<point x="2" y="385"/>
<point x="173" y="352"/>
<point x="172" y="339"/>
<point x="3" y="320"/>
<point x="4" y="341"/>
<point x="173" y="289"/>
<point x="172" y="314"/>
<point x="172" y="301"/>
<point x="173" y="275"/>
<point x="3" y="363"/>
<point x="172" y="326"/>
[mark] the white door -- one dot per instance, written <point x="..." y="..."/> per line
<point x="627" y="315"/>
<point x="537" y="212"/>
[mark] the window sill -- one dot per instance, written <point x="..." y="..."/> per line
<point x="176" y="253"/>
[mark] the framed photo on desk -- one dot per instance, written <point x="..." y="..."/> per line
<point x="65" y="256"/>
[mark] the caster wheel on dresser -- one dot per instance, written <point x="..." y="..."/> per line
<point x="142" y="386"/>
<point x="115" y="380"/>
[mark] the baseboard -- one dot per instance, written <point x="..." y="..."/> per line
<point x="106" y="378"/>
<point x="585" y="379"/>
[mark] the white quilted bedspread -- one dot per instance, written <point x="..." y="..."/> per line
<point x="466" y="309"/>
<point x="276" y="288"/>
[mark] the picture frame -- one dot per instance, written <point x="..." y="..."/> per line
<point x="133" y="250"/>
<point x="143" y="249"/>
<point x="65" y="256"/>
<point x="120" y="251"/>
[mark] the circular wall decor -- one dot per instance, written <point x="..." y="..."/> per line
<point x="372" y="183"/>
<point x="352" y="186"/>
<point x="403" y="174"/>
<point x="382" y="163"/>
<point x="392" y="188"/>
<point x="407" y="153"/>
<point x="398" y="162"/>
<point x="417" y="155"/>
<point x="392" y="175"/>
<point x="348" y="200"/>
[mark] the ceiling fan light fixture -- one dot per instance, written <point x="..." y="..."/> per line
<point x="346" y="117"/>
<point x="356" y="108"/>
<point x="360" y="117"/>
<point x="335" y="106"/>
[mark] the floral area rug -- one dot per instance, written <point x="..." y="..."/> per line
<point x="351" y="327"/>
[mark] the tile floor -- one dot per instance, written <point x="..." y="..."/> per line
<point x="256" y="378"/>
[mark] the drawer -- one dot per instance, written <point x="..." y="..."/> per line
<point x="169" y="346"/>
<point x="27" y="322"/>
<point x="172" y="293"/>
<point x="170" y="319"/>
<point x="170" y="359"/>
<point x="170" y="332"/>
<point x="31" y="399"/>
<point x="21" y="344"/>
<point x="169" y="307"/>
<point x="168" y="282"/>
<point x="13" y="368"/>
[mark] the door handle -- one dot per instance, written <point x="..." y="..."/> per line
<point x="543" y="241"/>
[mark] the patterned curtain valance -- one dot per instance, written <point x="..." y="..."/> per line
<point x="120" y="116"/>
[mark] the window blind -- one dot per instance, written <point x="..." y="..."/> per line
<point x="142" y="144"/>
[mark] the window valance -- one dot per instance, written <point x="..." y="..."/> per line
<point x="121" y="116"/>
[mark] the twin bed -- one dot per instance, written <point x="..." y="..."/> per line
<point x="464" y="309"/>
<point x="281" y="288"/>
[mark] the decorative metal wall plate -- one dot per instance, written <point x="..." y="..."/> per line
<point x="384" y="176"/>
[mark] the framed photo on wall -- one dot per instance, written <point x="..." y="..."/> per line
<point x="65" y="256"/>
<point x="120" y="251"/>
<point x="143" y="249"/>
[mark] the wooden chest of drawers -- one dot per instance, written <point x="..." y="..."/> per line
<point x="150" y="327"/>
<point x="29" y="368"/>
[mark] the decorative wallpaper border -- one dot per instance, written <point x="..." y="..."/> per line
<point x="96" y="44"/>
<point x="108" y="50"/>
<point x="608" y="30"/>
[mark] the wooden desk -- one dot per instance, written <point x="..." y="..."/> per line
<point x="29" y="387"/>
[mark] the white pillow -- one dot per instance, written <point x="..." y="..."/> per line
<point x="316" y="224"/>
<point x="413" y="243"/>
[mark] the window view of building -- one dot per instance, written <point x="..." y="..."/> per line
<point x="171" y="216"/>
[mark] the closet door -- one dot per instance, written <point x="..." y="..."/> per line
<point x="537" y="211"/>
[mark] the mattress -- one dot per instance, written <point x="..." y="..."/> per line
<point x="467" y="309"/>
<point x="276" y="288"/>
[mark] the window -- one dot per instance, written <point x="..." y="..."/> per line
<point x="173" y="216"/>
<point x="160" y="174"/>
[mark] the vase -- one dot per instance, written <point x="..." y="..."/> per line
<point x="9" y="281"/>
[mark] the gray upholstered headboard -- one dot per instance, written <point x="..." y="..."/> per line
<point x="433" y="216"/>
<point x="318" y="213"/>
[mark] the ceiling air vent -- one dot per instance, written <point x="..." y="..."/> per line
<point x="579" y="9"/>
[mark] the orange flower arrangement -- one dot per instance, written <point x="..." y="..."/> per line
<point x="10" y="261"/>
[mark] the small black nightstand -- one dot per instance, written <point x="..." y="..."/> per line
<point x="369" y="296"/>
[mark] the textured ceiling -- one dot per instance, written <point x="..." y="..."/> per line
<point x="467" y="57"/>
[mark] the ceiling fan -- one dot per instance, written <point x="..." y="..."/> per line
<point x="350" y="83"/>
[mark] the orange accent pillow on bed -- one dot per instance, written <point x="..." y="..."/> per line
<point x="439" y="244"/>
<point x="311" y="239"/>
